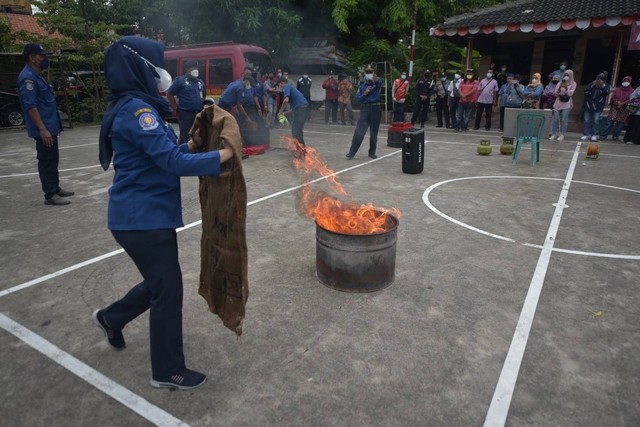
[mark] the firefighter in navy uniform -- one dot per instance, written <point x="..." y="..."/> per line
<point x="145" y="205"/>
<point x="43" y="121"/>
<point x="191" y="92"/>
<point x="369" y="97"/>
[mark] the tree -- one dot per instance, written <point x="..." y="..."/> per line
<point x="81" y="47"/>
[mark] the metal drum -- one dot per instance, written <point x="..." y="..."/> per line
<point x="357" y="262"/>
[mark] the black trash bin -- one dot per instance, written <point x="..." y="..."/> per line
<point x="413" y="151"/>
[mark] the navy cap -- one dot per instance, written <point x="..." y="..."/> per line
<point x="34" y="49"/>
<point x="190" y="64"/>
<point x="283" y="80"/>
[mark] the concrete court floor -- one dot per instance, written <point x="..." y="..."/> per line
<point x="428" y="350"/>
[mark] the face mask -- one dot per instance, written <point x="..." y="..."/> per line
<point x="515" y="82"/>
<point x="563" y="67"/>
<point x="457" y="76"/>
<point x="555" y="81"/>
<point x="534" y="80"/>
<point x="403" y="77"/>
<point x="164" y="79"/>
<point x="444" y="79"/>
<point x="247" y="86"/>
<point x="44" y="64"/>
<point x="489" y="75"/>
<point x="194" y="74"/>
<point x="279" y="74"/>
<point x="504" y="70"/>
<point x="469" y="76"/>
<point x="626" y="84"/>
<point x="369" y="76"/>
<point x="565" y="79"/>
<point x="305" y="76"/>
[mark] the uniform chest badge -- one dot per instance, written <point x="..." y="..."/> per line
<point x="148" y="121"/>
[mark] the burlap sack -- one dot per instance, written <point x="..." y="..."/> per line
<point x="223" y="274"/>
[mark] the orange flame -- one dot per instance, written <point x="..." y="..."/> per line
<point x="328" y="211"/>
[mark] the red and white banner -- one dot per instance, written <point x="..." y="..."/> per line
<point x="634" y="37"/>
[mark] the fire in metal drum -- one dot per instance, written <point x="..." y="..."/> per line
<point x="357" y="262"/>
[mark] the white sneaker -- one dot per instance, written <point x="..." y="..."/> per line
<point x="585" y="137"/>
<point x="561" y="137"/>
<point x="552" y="136"/>
<point x="594" y="138"/>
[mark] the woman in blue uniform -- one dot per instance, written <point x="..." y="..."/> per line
<point x="144" y="202"/>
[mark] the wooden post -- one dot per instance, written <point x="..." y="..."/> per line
<point x="469" y="59"/>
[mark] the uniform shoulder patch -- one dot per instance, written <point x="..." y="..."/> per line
<point x="142" y="110"/>
<point x="148" y="121"/>
<point x="29" y="84"/>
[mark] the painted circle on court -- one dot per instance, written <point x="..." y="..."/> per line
<point x="425" y="199"/>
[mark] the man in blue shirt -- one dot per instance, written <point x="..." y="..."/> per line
<point x="369" y="97"/>
<point x="232" y="97"/>
<point x="43" y="121"/>
<point x="190" y="91"/>
<point x="293" y="98"/>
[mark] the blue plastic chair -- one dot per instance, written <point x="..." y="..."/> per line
<point x="529" y="129"/>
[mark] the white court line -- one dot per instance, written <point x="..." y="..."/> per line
<point x="193" y="224"/>
<point x="427" y="201"/>
<point x="503" y="393"/>
<point x="31" y="151"/>
<point x="83" y="371"/>
<point x="61" y="170"/>
<point x="129" y="399"/>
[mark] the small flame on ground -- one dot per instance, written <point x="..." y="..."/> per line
<point x="328" y="211"/>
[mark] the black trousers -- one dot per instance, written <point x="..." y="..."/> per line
<point x="453" y="111"/>
<point x="300" y="117"/>
<point x="488" y="109"/>
<point x="442" y="109"/>
<point x="48" y="160"/>
<point x="155" y="253"/>
<point x="185" y="121"/>
<point x="420" y="112"/>
<point x="370" y="116"/>
<point x="398" y="111"/>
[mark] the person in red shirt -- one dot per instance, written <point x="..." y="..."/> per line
<point x="399" y="91"/>
<point x="468" y="96"/>
<point x="330" y="87"/>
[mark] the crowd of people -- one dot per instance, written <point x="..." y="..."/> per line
<point x="460" y="97"/>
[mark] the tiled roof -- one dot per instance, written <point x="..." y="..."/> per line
<point x="29" y="24"/>
<point x="532" y="11"/>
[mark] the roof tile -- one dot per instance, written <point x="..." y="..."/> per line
<point x="531" y="11"/>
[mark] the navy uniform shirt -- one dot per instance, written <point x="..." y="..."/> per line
<point x="373" y="96"/>
<point x="35" y="92"/>
<point x="190" y="92"/>
<point x="296" y="99"/>
<point x="145" y="194"/>
<point x="232" y="94"/>
<point x="247" y="95"/>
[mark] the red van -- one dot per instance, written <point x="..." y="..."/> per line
<point x="219" y="63"/>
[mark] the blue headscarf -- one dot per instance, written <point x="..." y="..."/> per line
<point x="129" y="76"/>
